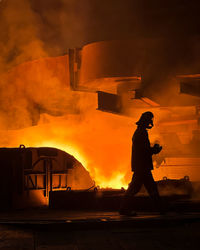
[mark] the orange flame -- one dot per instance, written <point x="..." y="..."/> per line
<point x="100" y="141"/>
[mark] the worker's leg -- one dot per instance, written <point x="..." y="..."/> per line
<point x="152" y="189"/>
<point x="135" y="185"/>
<point x="133" y="188"/>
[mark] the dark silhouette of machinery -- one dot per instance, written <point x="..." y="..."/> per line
<point x="29" y="174"/>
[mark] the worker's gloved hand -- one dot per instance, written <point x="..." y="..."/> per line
<point x="156" y="148"/>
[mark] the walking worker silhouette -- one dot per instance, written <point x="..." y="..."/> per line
<point x="142" y="165"/>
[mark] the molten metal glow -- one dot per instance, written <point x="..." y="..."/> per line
<point x="70" y="149"/>
<point x="117" y="181"/>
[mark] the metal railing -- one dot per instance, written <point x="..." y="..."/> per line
<point x="47" y="173"/>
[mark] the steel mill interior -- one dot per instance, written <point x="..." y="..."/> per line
<point x="74" y="115"/>
<point x="99" y="124"/>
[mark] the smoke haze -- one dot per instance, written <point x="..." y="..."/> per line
<point x="35" y="92"/>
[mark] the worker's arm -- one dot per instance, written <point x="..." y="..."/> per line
<point x="152" y="150"/>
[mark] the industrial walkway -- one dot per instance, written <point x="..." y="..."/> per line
<point x="61" y="229"/>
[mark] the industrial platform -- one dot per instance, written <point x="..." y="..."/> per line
<point x="60" y="229"/>
<point x="50" y="218"/>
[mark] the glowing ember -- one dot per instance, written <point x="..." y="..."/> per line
<point x="117" y="181"/>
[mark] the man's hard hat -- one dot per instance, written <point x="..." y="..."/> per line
<point x="145" y="118"/>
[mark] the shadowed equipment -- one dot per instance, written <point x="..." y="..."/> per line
<point x="29" y="174"/>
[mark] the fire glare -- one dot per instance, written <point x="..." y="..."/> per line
<point x="36" y="93"/>
<point x="100" y="141"/>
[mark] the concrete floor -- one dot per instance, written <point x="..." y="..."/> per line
<point x="59" y="229"/>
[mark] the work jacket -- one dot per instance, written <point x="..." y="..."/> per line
<point x="142" y="152"/>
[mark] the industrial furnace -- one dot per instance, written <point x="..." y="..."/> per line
<point x="29" y="174"/>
